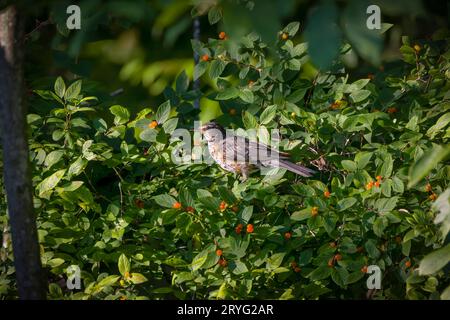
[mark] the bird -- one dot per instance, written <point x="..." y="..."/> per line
<point x="239" y="155"/>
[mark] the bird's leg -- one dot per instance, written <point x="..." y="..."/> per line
<point x="244" y="172"/>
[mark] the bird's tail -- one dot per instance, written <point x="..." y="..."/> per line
<point x="300" y="170"/>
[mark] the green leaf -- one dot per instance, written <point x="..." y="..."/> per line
<point x="56" y="262"/>
<point x="426" y="163"/>
<point x="246" y="214"/>
<point x="239" y="267"/>
<point x="214" y="14"/>
<point x="360" y="95"/>
<point x="435" y="261"/>
<point x="301" y="215"/>
<point x="108" y="281"/>
<point x="121" y="114"/>
<point x="163" y="112"/>
<point x="50" y="182"/>
<point x="148" y="135"/>
<point x="249" y="120"/>
<point x="228" y="93"/>
<point x="199" y="260"/>
<point x="275" y="260"/>
<point x="73" y="91"/>
<point x="268" y="114"/>
<point x="349" y="165"/>
<point x="292" y="28"/>
<point x="346" y="203"/>
<point x="200" y="69"/>
<point x="123" y="264"/>
<point x="442" y="122"/>
<point x="320" y="273"/>
<point x="170" y="125"/>
<point x="137" y="278"/>
<point x="164" y="200"/>
<point x="357" y="85"/>
<point x="442" y="205"/>
<point x="77" y="167"/>
<point x="60" y="87"/>
<point x="385" y="205"/>
<point x="182" y="83"/>
<point x="246" y="95"/>
<point x="323" y="35"/>
<point x="216" y="68"/>
<point x="397" y="185"/>
<point x="446" y="294"/>
<point x="362" y="159"/>
<point x="340" y="276"/>
<point x="53" y="158"/>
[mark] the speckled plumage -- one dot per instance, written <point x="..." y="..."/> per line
<point x="239" y="155"/>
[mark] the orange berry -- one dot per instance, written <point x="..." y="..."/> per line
<point x="338" y="257"/>
<point x="250" y="228"/>
<point x="417" y="48"/>
<point x="190" y="209"/>
<point x="333" y="244"/>
<point x="238" y="228"/>
<point x="364" y="269"/>
<point x="379" y="178"/>
<point x="369" y="185"/>
<point x="428" y="187"/>
<point x="139" y="203"/>
<point x="232" y="112"/>
<point x="392" y="110"/>
<point x="377" y="184"/>
<point x="153" y="124"/>
<point x="222" y="35"/>
<point x="284" y="36"/>
<point x="222" y="262"/>
<point x="205" y="57"/>
<point x="326" y="194"/>
<point x="223" y="206"/>
<point x="331" y="262"/>
<point x="432" y="196"/>
<point x="314" y="211"/>
<point x="407" y="264"/>
<point x="176" y="205"/>
<point x="219" y="252"/>
<point x="297" y="269"/>
<point x="287" y="235"/>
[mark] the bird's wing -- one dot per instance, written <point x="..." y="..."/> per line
<point x="241" y="149"/>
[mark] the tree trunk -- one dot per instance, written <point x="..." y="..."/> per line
<point x="17" y="178"/>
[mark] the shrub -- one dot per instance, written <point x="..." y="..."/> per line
<point x="110" y="200"/>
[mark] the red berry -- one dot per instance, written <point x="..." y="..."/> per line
<point x="190" y="209"/>
<point x="153" y="124"/>
<point x="176" y="205"/>
<point x="250" y="228"/>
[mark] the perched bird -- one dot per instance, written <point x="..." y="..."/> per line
<point x="238" y="154"/>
